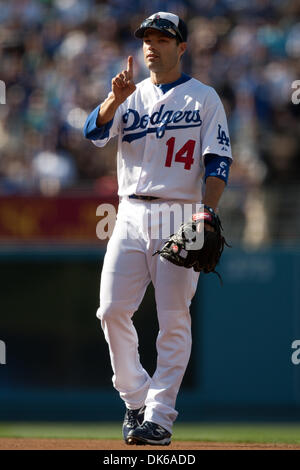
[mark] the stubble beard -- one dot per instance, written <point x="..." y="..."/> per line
<point x="158" y="67"/>
<point x="154" y="66"/>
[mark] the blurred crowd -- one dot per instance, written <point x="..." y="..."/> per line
<point x="58" y="58"/>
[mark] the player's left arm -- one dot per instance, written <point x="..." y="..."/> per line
<point x="213" y="191"/>
<point x="216" y="177"/>
<point x="216" y="150"/>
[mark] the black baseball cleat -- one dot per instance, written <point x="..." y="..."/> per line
<point x="149" y="433"/>
<point x="132" y="419"/>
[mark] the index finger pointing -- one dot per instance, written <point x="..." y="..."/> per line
<point x="130" y="66"/>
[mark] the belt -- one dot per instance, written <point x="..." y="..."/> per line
<point x="144" y="198"/>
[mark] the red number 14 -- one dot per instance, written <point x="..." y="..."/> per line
<point x="184" y="155"/>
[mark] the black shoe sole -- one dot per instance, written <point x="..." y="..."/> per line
<point x="140" y="441"/>
<point x="131" y="442"/>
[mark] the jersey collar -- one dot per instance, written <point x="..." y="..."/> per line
<point x="168" y="86"/>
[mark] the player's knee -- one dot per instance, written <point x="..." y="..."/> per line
<point x="109" y="312"/>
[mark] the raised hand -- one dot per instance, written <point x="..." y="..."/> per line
<point x="122" y="84"/>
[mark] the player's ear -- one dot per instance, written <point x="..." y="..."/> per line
<point x="182" y="48"/>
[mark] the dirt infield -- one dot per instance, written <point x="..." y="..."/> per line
<point x="94" y="444"/>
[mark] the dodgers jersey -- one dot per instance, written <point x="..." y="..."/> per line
<point x="164" y="137"/>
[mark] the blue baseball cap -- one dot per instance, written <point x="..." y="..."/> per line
<point x="168" y="23"/>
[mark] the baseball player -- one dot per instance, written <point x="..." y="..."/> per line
<point x="173" y="147"/>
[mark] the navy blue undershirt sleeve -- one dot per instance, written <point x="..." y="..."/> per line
<point x="217" y="166"/>
<point x="91" y="131"/>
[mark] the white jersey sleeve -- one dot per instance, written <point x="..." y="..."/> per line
<point x="214" y="129"/>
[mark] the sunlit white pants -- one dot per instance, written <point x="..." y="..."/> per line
<point x="127" y="270"/>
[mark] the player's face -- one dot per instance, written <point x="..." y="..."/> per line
<point x="161" y="53"/>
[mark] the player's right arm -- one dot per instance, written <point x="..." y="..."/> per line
<point x="122" y="87"/>
<point x="101" y="124"/>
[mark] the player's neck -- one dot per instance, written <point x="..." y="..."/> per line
<point x="163" y="78"/>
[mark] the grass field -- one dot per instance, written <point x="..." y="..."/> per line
<point x="261" y="433"/>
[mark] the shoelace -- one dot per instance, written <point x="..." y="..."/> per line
<point x="153" y="426"/>
<point x="149" y="425"/>
<point x="131" y="417"/>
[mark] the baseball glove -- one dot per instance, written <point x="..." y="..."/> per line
<point x="179" y="248"/>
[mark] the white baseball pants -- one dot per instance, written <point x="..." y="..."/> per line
<point x="127" y="270"/>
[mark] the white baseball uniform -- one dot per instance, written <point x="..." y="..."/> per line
<point x="163" y="132"/>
